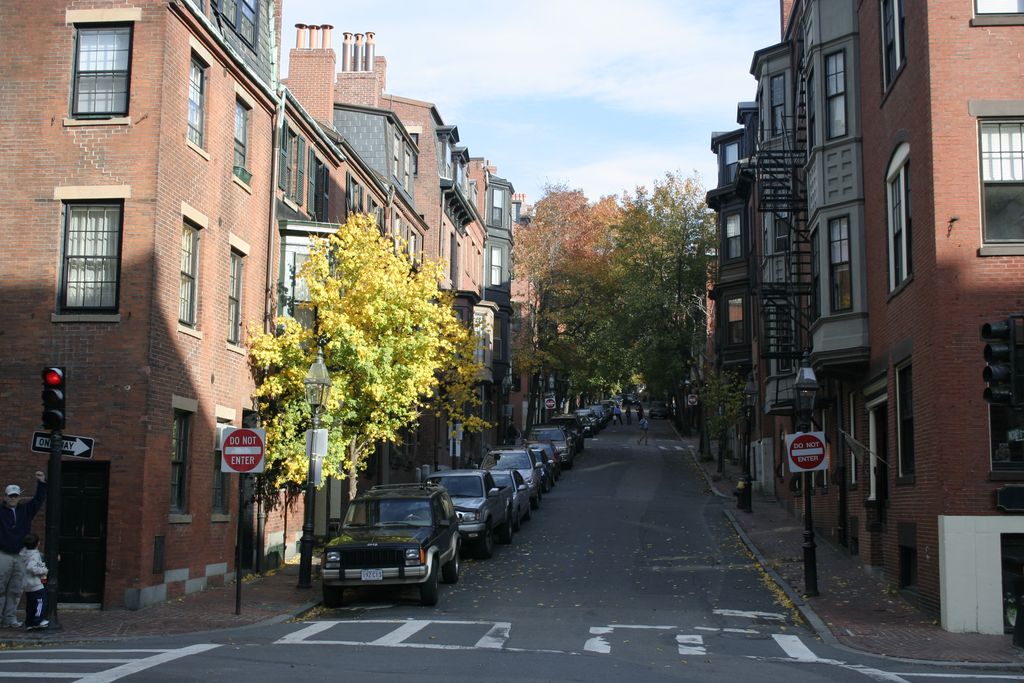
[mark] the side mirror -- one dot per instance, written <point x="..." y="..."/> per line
<point x="493" y="492"/>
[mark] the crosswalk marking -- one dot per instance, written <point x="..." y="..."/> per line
<point x="691" y="644"/>
<point x="401" y="633"/>
<point x="794" y="647"/>
<point x="494" y="638"/>
<point x="129" y="665"/>
<point x="772" y="616"/>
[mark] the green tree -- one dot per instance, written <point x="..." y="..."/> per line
<point x="391" y="342"/>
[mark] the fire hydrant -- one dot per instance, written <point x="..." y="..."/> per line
<point x="743" y="494"/>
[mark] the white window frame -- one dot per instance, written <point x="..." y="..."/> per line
<point x="899" y="215"/>
<point x="733" y="231"/>
<point x="892" y="65"/>
<point x="198" y="73"/>
<point x="188" y="293"/>
<point x="999" y="6"/>
<point x="836" y="124"/>
<point x="497" y="269"/>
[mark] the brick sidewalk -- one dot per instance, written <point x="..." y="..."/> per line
<point x="855" y="608"/>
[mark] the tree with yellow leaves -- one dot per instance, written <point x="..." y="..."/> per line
<point x="392" y="345"/>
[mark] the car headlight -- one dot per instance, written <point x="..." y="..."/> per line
<point x="467" y="516"/>
<point x="414" y="556"/>
<point x="333" y="556"/>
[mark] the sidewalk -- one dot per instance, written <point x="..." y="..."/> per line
<point x="855" y="608"/>
<point x="265" y="599"/>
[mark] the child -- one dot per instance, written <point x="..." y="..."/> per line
<point x="35" y="591"/>
<point x="643" y="430"/>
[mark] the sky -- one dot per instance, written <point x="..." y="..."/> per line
<point x="599" y="95"/>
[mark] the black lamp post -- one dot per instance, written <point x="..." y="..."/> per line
<point x="749" y="402"/>
<point x="806" y="388"/>
<point x="318" y="386"/>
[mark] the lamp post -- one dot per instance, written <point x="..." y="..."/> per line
<point x="806" y="388"/>
<point x="318" y="386"/>
<point x="749" y="401"/>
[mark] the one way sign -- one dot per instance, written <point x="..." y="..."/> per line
<point x="74" y="446"/>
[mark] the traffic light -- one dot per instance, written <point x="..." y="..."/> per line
<point x="53" y="398"/>
<point x="1004" y="371"/>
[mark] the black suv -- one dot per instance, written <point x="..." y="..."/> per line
<point x="394" y="534"/>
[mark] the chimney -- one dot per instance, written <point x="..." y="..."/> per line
<point x="327" y="35"/>
<point x="371" y="48"/>
<point x="357" y="53"/>
<point x="311" y="70"/>
<point x="346" y="51"/>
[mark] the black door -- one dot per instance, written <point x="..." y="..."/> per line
<point x="83" y="531"/>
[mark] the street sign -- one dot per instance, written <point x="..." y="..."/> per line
<point x="73" y="446"/>
<point x="243" y="450"/>
<point x="691" y="400"/>
<point x="549" y="403"/>
<point x="806" y="451"/>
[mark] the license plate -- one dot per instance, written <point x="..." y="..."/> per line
<point x="372" y="575"/>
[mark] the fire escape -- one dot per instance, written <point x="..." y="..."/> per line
<point x="786" y="289"/>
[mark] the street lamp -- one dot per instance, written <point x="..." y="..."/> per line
<point x="749" y="402"/>
<point x="806" y="388"/>
<point x="318" y="386"/>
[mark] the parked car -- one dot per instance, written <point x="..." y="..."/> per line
<point x="521" y="510"/>
<point x="559" y="439"/>
<point x="553" y="457"/>
<point x="539" y="452"/>
<point x="484" y="510"/>
<point x="394" y="534"/>
<point x="603" y="416"/>
<point x="573" y="424"/>
<point x="523" y="461"/>
<point x="658" y="410"/>
<point x="590" y="422"/>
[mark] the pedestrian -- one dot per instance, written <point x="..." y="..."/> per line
<point x="643" y="430"/>
<point x="15" y="524"/>
<point x="617" y="414"/>
<point x="629" y="413"/>
<point x="35" y="591"/>
<point x="639" y="410"/>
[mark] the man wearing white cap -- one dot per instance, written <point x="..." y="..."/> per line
<point x="15" y="524"/>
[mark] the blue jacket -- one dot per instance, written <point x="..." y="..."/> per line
<point x="16" y="522"/>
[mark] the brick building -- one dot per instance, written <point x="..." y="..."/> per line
<point x="877" y="183"/>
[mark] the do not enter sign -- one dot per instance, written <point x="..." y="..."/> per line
<point x="807" y="451"/>
<point x="243" y="450"/>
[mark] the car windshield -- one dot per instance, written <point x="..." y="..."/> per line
<point x="388" y="512"/>
<point x="503" y="479"/>
<point x="547" y="435"/>
<point x="517" y="460"/>
<point x="467" y="487"/>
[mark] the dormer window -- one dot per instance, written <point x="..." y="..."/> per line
<point x="730" y="160"/>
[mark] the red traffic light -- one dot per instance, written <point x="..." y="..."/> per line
<point x="53" y="377"/>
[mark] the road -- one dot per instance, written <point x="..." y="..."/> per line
<point x="629" y="571"/>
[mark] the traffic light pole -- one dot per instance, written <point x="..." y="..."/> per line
<point x="53" y="525"/>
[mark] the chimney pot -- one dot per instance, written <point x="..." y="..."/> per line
<point x="346" y="51"/>
<point x="300" y="31"/>
<point x="370" y="50"/>
<point x="357" y="53"/>
<point x="327" y="35"/>
<point x="314" y="37"/>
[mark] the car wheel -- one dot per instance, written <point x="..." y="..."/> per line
<point x="450" y="571"/>
<point x="333" y="596"/>
<point x="505" y="532"/>
<point x="517" y="520"/>
<point x="428" y="589"/>
<point x="529" y="511"/>
<point x="534" y="504"/>
<point x="486" y="543"/>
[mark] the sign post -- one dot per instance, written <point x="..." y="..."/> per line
<point x="242" y="451"/>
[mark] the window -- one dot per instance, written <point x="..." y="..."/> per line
<point x="91" y="269"/>
<point x="416" y="157"/>
<point x="812" y="110"/>
<point x="835" y="94"/>
<point x="1000" y="6"/>
<point x="778" y="104"/>
<point x="736" y="334"/>
<point x="905" y="407"/>
<point x="414" y="246"/>
<point x="353" y="195"/>
<point x="235" y="298"/>
<point x="496" y="259"/>
<point x="733" y="239"/>
<point x="730" y="160"/>
<point x="815" y="296"/>
<point x="893" y="24"/>
<point x="220" y="480"/>
<point x="453" y="255"/>
<point x="196" y="101"/>
<point x="241" y="136"/>
<point x="229" y="10"/>
<point x="898" y="193"/>
<point x="497" y="206"/>
<point x="293" y="164"/>
<point x="247" y="20"/>
<point x="189" y="268"/>
<point x="1002" y="170"/>
<point x="180" y="433"/>
<point x="395" y="163"/>
<point x="839" y="264"/>
<point x="100" y="80"/>
<point x="407" y="183"/>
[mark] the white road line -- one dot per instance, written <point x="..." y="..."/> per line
<point x="691" y="645"/>
<point x="147" y="663"/>
<point x="37" y="674"/>
<point x="299" y="637"/>
<point x="794" y="647"/>
<point x="680" y="448"/>
<point x="600" y="645"/>
<point x="972" y="676"/>
<point x="496" y="637"/>
<point x="746" y="631"/>
<point x="404" y="631"/>
<point x="40" y="660"/>
<point x="774" y="616"/>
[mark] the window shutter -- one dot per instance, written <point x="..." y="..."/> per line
<point x="282" y="161"/>
<point x="311" y="180"/>
<point x="300" y="173"/>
